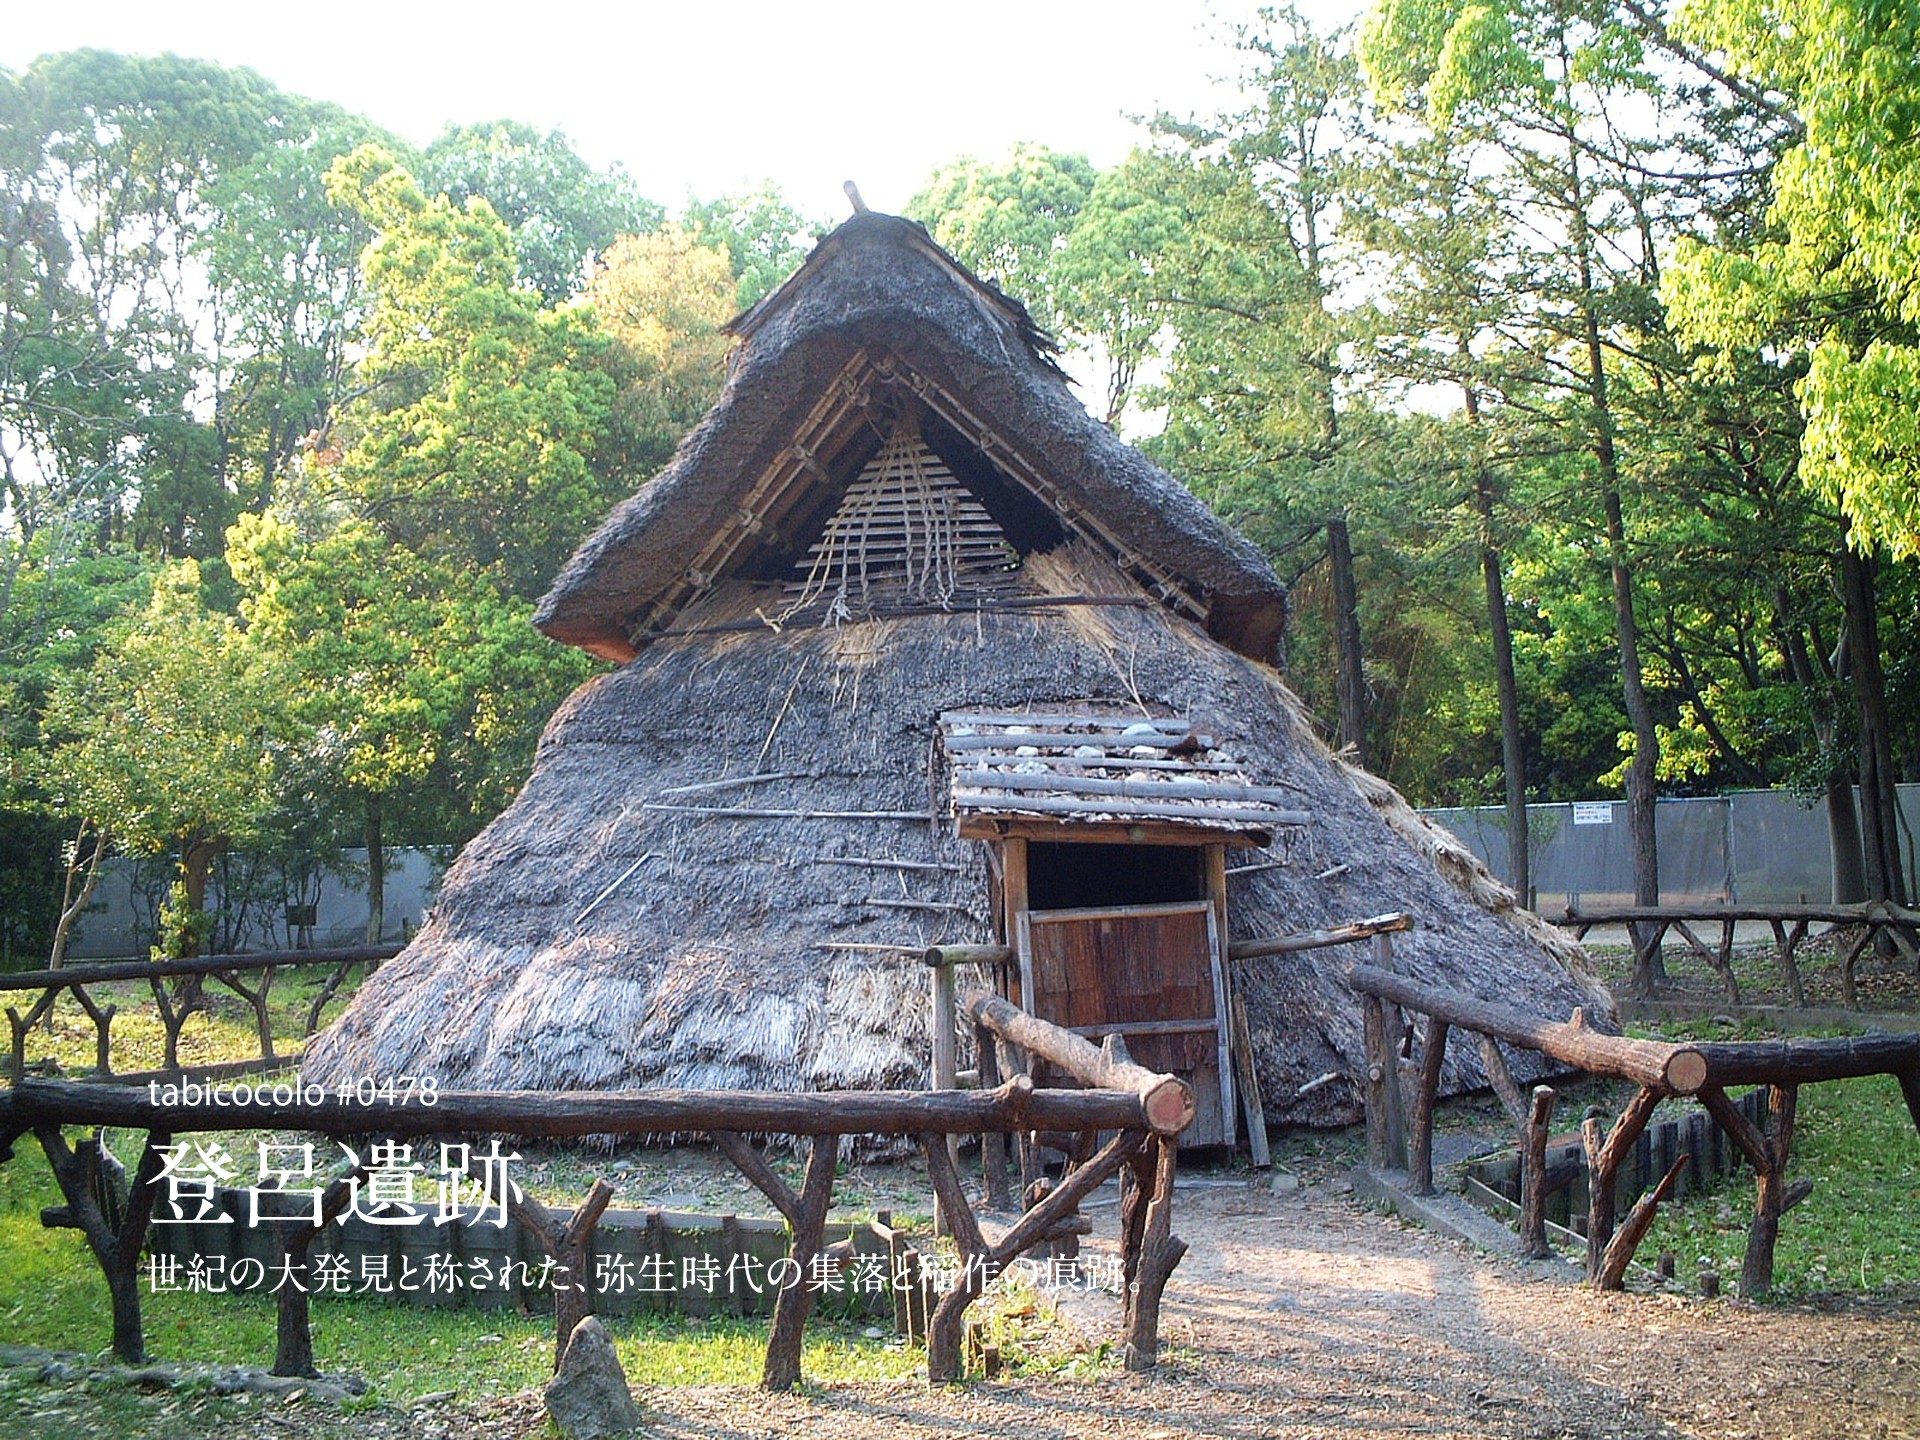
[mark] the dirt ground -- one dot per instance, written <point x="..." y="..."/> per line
<point x="1307" y="1315"/>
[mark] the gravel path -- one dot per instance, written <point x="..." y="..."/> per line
<point x="1306" y="1315"/>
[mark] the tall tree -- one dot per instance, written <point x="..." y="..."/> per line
<point x="473" y="441"/>
<point x="166" y="742"/>
<point x="765" y="238"/>
<point x="662" y="299"/>
<point x="1829" y="291"/>
<point x="559" y="211"/>
<point x="1541" y="91"/>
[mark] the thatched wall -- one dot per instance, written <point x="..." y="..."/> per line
<point x="714" y="963"/>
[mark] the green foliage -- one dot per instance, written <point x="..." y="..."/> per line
<point x="1007" y="220"/>
<point x="662" y="298"/>
<point x="474" y="443"/>
<point x="764" y="236"/>
<point x="167" y="741"/>
<point x="559" y="211"/>
<point x="1086" y="251"/>
<point x="1837" y="277"/>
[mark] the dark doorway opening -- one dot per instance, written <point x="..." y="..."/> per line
<point x="1080" y="877"/>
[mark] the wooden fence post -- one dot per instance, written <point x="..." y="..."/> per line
<point x="1433" y="1056"/>
<point x="1533" y="1176"/>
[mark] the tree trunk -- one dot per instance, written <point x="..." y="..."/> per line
<point x="1513" y="755"/>
<point x="376" y="873"/>
<point x="1821" y="683"/>
<point x="1843" y="840"/>
<point x="1642" y="772"/>
<point x="83" y="870"/>
<point x="196" y="863"/>
<point x="1346" y="634"/>
<point x="1879" y="820"/>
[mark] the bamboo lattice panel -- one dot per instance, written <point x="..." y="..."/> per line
<point x="908" y="533"/>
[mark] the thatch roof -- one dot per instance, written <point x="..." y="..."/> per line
<point x="879" y="294"/>
<point x="610" y="929"/>
<point x="723" y="847"/>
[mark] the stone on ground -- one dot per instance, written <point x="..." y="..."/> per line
<point x="589" y="1397"/>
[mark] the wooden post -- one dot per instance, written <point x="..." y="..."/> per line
<point x="1379" y="1080"/>
<point x="947" y="1326"/>
<point x="566" y="1244"/>
<point x="1136" y="1184"/>
<point x="1160" y="1251"/>
<point x="1393" y="1032"/>
<point x="1619" y="1252"/>
<point x="1433" y="1054"/>
<point x="945" y="1064"/>
<point x="1533" y="1176"/>
<point x="1258" y="1149"/>
<point x="993" y="1145"/>
<point x="794" y="1303"/>
<point x="115" y="1246"/>
<point x="293" y="1334"/>
<point x="1723" y="962"/>
<point x="1603" y="1166"/>
<point x="102" y="1017"/>
<point x="1013" y="859"/>
<point x="1770" y="1194"/>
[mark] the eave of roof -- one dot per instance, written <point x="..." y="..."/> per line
<point x="879" y="290"/>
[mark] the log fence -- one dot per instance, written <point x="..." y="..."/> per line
<point x="1659" y="1070"/>
<point x="1141" y="1111"/>
<point x="1648" y="926"/>
<point x="178" y="988"/>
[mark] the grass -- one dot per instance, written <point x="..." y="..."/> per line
<point x="1859" y="1231"/>
<point x="1885" y="983"/>
<point x="52" y="1296"/>
<point x="223" y="1031"/>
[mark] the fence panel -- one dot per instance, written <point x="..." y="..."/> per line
<point x="1754" y="847"/>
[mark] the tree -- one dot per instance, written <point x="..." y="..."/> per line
<point x="1258" y="419"/>
<point x="474" y="440"/>
<point x="1441" y="308"/>
<point x="765" y="238"/>
<point x="559" y="211"/>
<point x="284" y="260"/>
<point x="662" y="298"/>
<point x="1009" y="220"/>
<point x="423" y="687"/>
<point x="1827" y="293"/>
<point x="1107" y="272"/>
<point x="1840" y="273"/>
<point x="166" y="742"/>
<point x="1538" y="90"/>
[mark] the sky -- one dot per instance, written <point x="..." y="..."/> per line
<point x="712" y="99"/>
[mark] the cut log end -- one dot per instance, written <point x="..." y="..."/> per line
<point x="1686" y="1071"/>
<point x="1169" y="1106"/>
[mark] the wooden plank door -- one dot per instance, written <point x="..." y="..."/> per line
<point x="1149" y="973"/>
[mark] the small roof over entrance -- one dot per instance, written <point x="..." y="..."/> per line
<point x="1169" y="776"/>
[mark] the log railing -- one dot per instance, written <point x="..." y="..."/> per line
<point x="1647" y="925"/>
<point x="178" y="993"/>
<point x="1658" y="1069"/>
<point x="1146" y="1111"/>
<point x="1142" y="1154"/>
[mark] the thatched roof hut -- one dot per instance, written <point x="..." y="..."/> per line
<point x="915" y="651"/>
